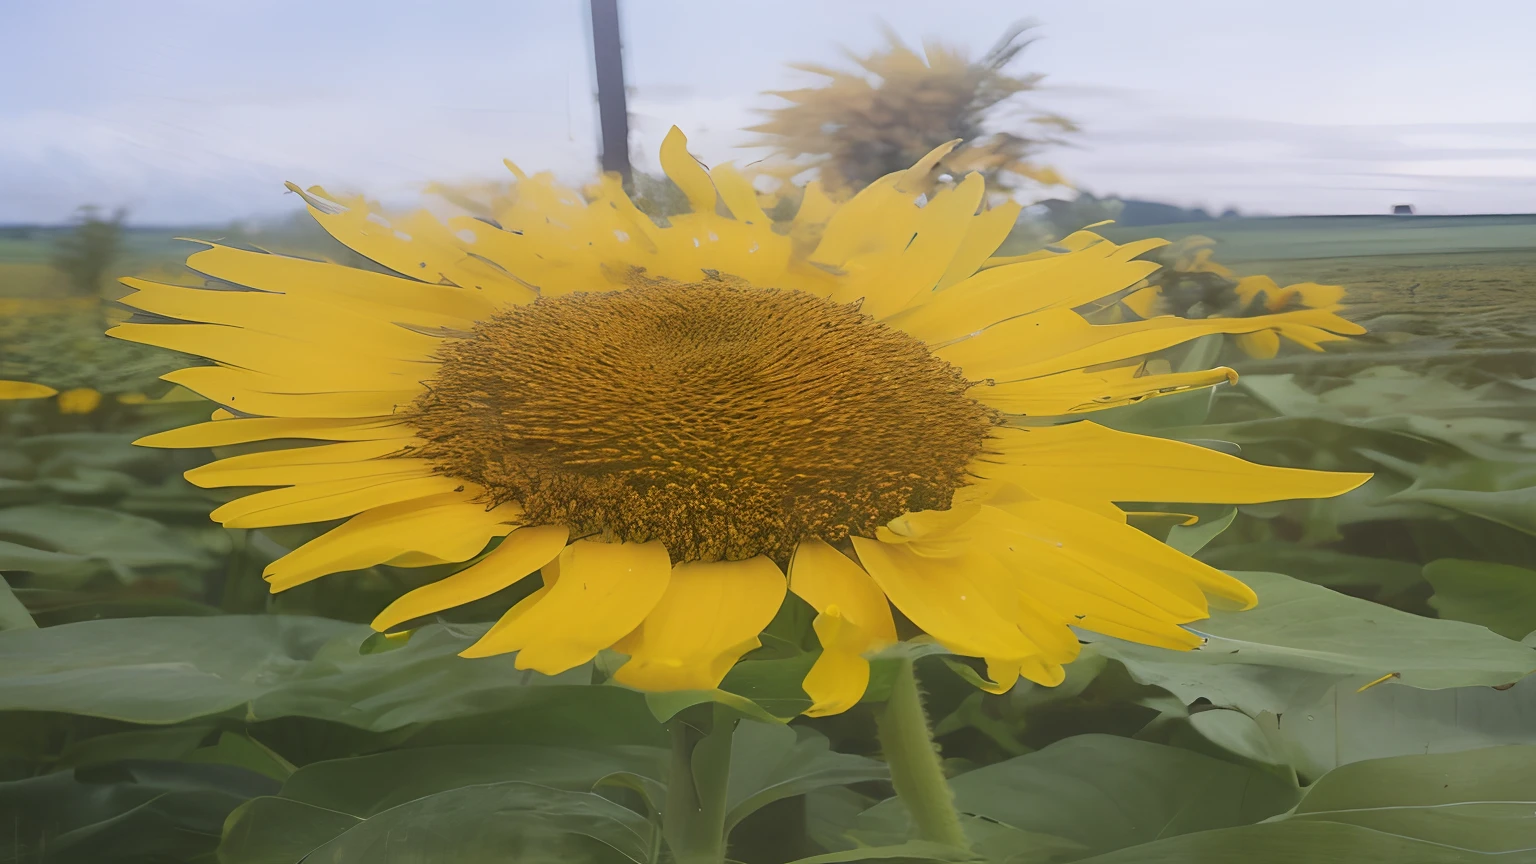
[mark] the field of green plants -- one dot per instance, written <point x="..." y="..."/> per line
<point x="158" y="705"/>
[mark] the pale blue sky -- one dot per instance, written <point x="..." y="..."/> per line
<point x="197" y="111"/>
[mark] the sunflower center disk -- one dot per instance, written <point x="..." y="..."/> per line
<point x="725" y="421"/>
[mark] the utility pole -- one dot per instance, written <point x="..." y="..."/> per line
<point x="612" y="106"/>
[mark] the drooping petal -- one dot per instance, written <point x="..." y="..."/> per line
<point x="938" y="594"/>
<point x="711" y="614"/>
<point x="447" y="527"/>
<point x="825" y="578"/>
<point x="521" y="553"/>
<point x="840" y="676"/>
<point x="268" y="396"/>
<point x="604" y="591"/>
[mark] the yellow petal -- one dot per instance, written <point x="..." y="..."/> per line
<point x="737" y="193"/>
<point x="322" y="502"/>
<point x="521" y="553"/>
<point x="23" y="390"/>
<point x="686" y="172"/>
<point x="1086" y="459"/>
<point x="447" y="528"/>
<point x="1094" y="390"/>
<point x="1059" y="340"/>
<point x="825" y="578"/>
<point x="267" y="396"/>
<point x="1001" y="293"/>
<point x="940" y="596"/>
<point x="986" y="232"/>
<point x="415" y="245"/>
<point x="604" y="591"/>
<point x="840" y="675"/>
<point x="710" y="615"/>
<point x="364" y="291"/>
<point x="308" y="465"/>
<point x="222" y="433"/>
<point x="1261" y="345"/>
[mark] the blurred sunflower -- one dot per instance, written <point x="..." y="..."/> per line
<point x="1190" y="284"/>
<point x="665" y="421"/>
<point x="898" y="105"/>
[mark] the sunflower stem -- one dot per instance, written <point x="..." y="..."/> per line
<point x="914" y="762"/>
<point x="693" y="820"/>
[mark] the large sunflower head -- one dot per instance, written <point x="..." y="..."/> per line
<point x="675" y="426"/>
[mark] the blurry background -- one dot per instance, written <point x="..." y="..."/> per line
<point x="195" y="113"/>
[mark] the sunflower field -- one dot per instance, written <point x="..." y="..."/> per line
<point x="158" y="704"/>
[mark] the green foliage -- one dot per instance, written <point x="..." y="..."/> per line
<point x="157" y="705"/>
<point x="85" y="253"/>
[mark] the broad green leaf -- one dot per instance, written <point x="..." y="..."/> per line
<point x="1479" y="800"/>
<point x="1301" y="639"/>
<point x="279" y="831"/>
<point x="125" y="811"/>
<point x="910" y="852"/>
<point x="244" y="752"/>
<point x="169" y="670"/>
<point x="1500" y="597"/>
<point x="1104" y="792"/>
<point x="497" y="822"/>
<point x="1385" y="578"/>
<point x="336" y="794"/>
<point x="1191" y="539"/>
<point x="74" y="543"/>
<point x="1435" y="809"/>
<point x="1346" y="726"/>
<point x="771" y="762"/>
<point x="367" y="785"/>
<point x="13" y="615"/>
<point x="1286" y="843"/>
<point x="1238" y="734"/>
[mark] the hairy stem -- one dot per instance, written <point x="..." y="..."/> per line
<point x="914" y="763"/>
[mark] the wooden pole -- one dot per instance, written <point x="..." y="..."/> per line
<point x="612" y="107"/>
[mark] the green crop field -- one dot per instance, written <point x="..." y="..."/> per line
<point x="249" y="728"/>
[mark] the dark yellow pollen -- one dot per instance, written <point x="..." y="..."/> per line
<point x="725" y="421"/>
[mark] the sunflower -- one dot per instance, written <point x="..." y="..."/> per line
<point x="675" y="426"/>
<point x="1193" y="285"/>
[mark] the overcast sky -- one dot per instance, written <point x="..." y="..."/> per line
<point x="190" y="112"/>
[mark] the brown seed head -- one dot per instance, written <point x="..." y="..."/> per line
<point x="723" y="420"/>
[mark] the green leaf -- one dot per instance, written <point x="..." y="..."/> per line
<point x="126" y="811"/>
<point x="336" y="794"/>
<point x="1104" y="792"/>
<point x="1435" y="809"/>
<point x="1346" y="726"/>
<point x="1286" y="843"/>
<point x="366" y="785"/>
<point x="71" y="544"/>
<point x="1193" y="538"/>
<point x="497" y="822"/>
<point x="1385" y="578"/>
<point x="1301" y="639"/>
<point x="279" y="831"/>
<point x="910" y="852"/>
<point x="1500" y="597"/>
<point x="13" y="615"/>
<point x="1239" y="734"/>
<point x="169" y="670"/>
<point x="252" y="755"/>
<point x="772" y="762"/>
